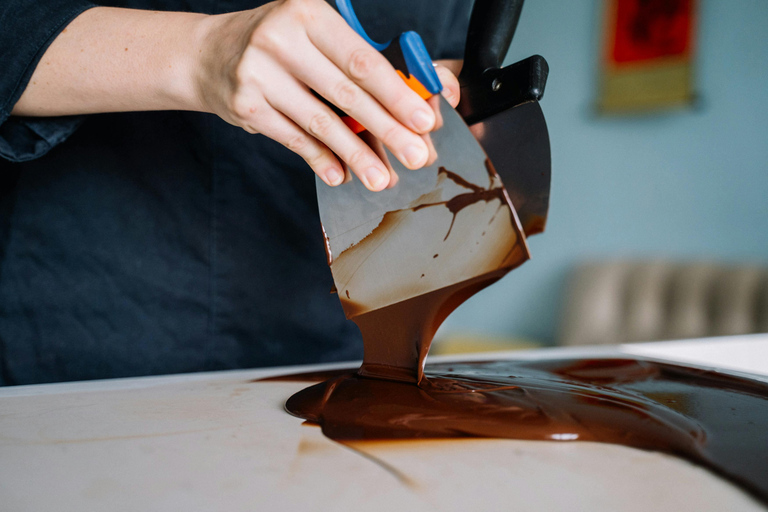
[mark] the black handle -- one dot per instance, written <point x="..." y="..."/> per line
<point x="491" y="28"/>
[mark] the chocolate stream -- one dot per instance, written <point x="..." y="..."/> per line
<point x="719" y="422"/>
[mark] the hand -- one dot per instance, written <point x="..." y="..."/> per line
<point x="256" y="71"/>
<point x="446" y="72"/>
<point x="252" y="68"/>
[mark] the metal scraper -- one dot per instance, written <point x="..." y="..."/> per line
<point x="501" y="107"/>
<point x="441" y="225"/>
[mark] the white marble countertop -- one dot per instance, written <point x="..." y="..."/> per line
<point x="218" y="441"/>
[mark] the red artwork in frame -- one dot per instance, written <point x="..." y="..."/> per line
<point x="648" y="53"/>
<point x="651" y="29"/>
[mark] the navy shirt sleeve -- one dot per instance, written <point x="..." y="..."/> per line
<point x="28" y="28"/>
<point x="453" y="35"/>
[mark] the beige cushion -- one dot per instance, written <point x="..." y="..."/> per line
<point x="620" y="301"/>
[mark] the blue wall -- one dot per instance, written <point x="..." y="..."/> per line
<point x="685" y="184"/>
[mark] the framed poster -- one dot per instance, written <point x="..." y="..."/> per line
<point x="647" y="57"/>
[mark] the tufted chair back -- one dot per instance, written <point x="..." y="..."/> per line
<point x="627" y="301"/>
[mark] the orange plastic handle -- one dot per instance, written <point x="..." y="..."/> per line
<point x="411" y="81"/>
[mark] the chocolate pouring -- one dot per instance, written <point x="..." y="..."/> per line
<point x="404" y="258"/>
<point x="454" y="238"/>
<point x="438" y="250"/>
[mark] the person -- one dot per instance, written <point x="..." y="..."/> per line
<point x="157" y="209"/>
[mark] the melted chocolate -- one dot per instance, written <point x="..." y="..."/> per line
<point x="397" y="337"/>
<point x="413" y="321"/>
<point x="714" y="420"/>
<point x="328" y="253"/>
<point x="711" y="419"/>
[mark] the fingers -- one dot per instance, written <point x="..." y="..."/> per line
<point x="304" y="44"/>
<point x="378" y="148"/>
<point x="328" y="80"/>
<point x="451" y="88"/>
<point x="278" y="127"/>
<point x="296" y="102"/>
<point x="447" y="71"/>
<point x="451" y="91"/>
<point x="434" y="103"/>
<point x="431" y="147"/>
<point x="370" y="70"/>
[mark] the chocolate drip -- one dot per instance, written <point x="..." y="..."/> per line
<point x="328" y="252"/>
<point x="461" y="201"/>
<point x="461" y="181"/>
<point x="397" y="338"/>
<point x="458" y="203"/>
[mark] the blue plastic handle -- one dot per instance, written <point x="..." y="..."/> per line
<point x="348" y="13"/>
<point x="417" y="59"/>
<point x="419" y="62"/>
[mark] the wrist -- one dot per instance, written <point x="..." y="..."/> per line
<point x="218" y="41"/>
<point x="180" y="80"/>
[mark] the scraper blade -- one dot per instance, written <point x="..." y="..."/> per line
<point x="441" y="225"/>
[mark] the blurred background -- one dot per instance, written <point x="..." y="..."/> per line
<point x="646" y="209"/>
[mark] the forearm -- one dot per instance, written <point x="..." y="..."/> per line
<point x="113" y="60"/>
<point x="255" y="69"/>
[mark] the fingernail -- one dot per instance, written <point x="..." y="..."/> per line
<point x="415" y="156"/>
<point x="423" y="120"/>
<point x="375" y="177"/>
<point x="333" y="177"/>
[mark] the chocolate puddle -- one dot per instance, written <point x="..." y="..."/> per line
<point x="714" y="420"/>
<point x="717" y="421"/>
